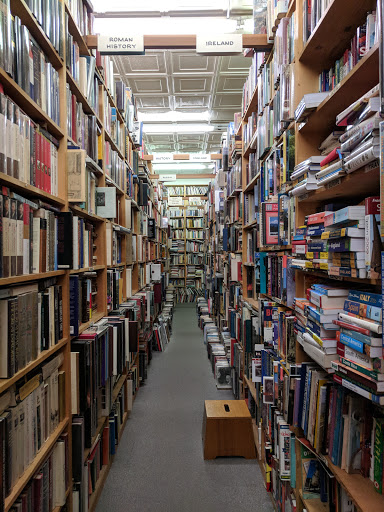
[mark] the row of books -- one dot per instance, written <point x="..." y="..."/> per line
<point x="28" y="152"/>
<point x="191" y="234"/>
<point x="234" y="178"/>
<point x="82" y="128"/>
<point x="32" y="237"/>
<point x="189" y="294"/>
<point x="82" y="16"/>
<point x="366" y="36"/>
<point x="195" y="223"/>
<point x="49" y="15"/>
<point x="28" y="419"/>
<point x="31" y="321"/>
<point x="181" y="259"/>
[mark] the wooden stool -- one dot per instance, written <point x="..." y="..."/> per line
<point x="227" y="429"/>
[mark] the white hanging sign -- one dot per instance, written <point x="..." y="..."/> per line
<point x="167" y="177"/>
<point x="219" y="43"/>
<point x="159" y="158"/>
<point x="196" y="157"/>
<point x="175" y="201"/>
<point x="120" y="44"/>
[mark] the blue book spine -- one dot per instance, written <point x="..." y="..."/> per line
<point x="352" y="343"/>
<point x="357" y="336"/>
<point x="314" y="327"/>
<point x="371" y="312"/>
<point x="313" y="314"/>
<point x="373" y="299"/>
<point x="320" y="246"/>
<point x="306" y="399"/>
<point x="335" y="447"/>
<point x="315" y="230"/>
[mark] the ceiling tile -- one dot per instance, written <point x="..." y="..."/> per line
<point x="149" y="85"/>
<point x="192" y="63"/>
<point x="149" y="63"/>
<point x="193" y="85"/>
<point x="230" y="84"/>
<point x="227" y="100"/>
<point x="192" y="102"/>
<point x="235" y="64"/>
<point x="154" y="102"/>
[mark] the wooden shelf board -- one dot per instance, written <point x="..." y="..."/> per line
<point x="252" y="388"/>
<point x="6" y="281"/>
<point x="26" y="103"/>
<point x="333" y="33"/>
<point x="360" y="489"/>
<point x="252" y="183"/>
<point x="252" y="106"/>
<point x="75" y="89"/>
<point x="7" y="383"/>
<point x="29" y="190"/>
<point x="83" y="213"/>
<point x="95" y="318"/>
<point x="118" y="386"/>
<point x="109" y="182"/>
<point x="251" y="146"/>
<point x="325" y="275"/>
<point x="357" y="184"/>
<point x="95" y="268"/>
<point x="35" y="464"/>
<point x="361" y="78"/>
<point x="250" y="225"/>
<point x="314" y="505"/>
<point x="20" y="9"/>
<point x="252" y="302"/>
<point x="100" y="425"/>
<point x="115" y="147"/>
<point x="75" y="32"/>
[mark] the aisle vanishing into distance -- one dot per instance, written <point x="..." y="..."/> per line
<point x="159" y="465"/>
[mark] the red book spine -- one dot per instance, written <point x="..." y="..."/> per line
<point x="49" y="169"/>
<point x="352" y="327"/>
<point x="333" y="155"/>
<point x="372" y="205"/>
<point x="37" y="183"/>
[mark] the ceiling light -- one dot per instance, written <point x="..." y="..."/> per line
<point x="167" y="25"/>
<point x="178" y="128"/>
<point x="174" y="116"/>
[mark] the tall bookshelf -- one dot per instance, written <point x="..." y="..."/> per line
<point x="188" y="235"/>
<point x="274" y="275"/>
<point x="95" y="124"/>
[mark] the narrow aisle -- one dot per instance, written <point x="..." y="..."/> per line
<point x="159" y="465"/>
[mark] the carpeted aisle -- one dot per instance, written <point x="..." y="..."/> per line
<point x="159" y="464"/>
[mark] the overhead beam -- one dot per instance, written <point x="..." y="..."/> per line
<point x="184" y="156"/>
<point x="169" y="42"/>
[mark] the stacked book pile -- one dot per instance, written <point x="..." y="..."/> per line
<point x="316" y="255"/>
<point x="359" y="346"/>
<point x="304" y="175"/>
<point x="316" y="331"/>
<point x="345" y="238"/>
<point x="331" y="167"/>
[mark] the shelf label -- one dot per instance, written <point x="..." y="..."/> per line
<point x="167" y="177"/>
<point x="219" y="44"/>
<point x="162" y="158"/>
<point x="120" y="44"/>
<point x="196" y="157"/>
<point x="175" y="201"/>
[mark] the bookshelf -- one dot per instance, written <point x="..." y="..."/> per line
<point x="262" y="149"/>
<point x="188" y="235"/>
<point x="100" y="251"/>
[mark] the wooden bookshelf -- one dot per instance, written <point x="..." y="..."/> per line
<point x="61" y="202"/>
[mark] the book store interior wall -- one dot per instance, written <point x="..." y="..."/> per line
<point x="191" y="256"/>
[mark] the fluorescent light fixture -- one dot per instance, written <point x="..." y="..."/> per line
<point x="167" y="25"/>
<point x="153" y="5"/>
<point x="173" y="116"/>
<point x="184" y="165"/>
<point x="178" y="128"/>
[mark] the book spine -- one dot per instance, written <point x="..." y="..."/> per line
<point x="359" y="368"/>
<point x="378" y="456"/>
<point x="371" y="312"/>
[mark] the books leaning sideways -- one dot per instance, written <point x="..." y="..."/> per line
<point x="360" y="143"/>
<point x="309" y="103"/>
<point x="359" y="345"/>
<point x="316" y="331"/>
<point x="304" y="175"/>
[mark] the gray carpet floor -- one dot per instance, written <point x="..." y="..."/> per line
<point x="159" y="464"/>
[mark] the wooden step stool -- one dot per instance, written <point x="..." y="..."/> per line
<point x="227" y="429"/>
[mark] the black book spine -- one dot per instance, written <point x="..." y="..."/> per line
<point x="64" y="240"/>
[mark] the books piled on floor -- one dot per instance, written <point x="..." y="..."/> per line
<point x="160" y="332"/>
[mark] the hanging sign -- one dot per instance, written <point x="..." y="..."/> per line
<point x="175" y="201"/>
<point x="159" y="158"/>
<point x="196" y="157"/>
<point x="120" y="44"/>
<point x="219" y="44"/>
<point x="167" y="177"/>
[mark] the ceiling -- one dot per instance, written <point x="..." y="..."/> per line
<point x="179" y="81"/>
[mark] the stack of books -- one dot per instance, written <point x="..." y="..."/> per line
<point x="345" y="238"/>
<point x="359" y="345"/>
<point x="316" y="331"/>
<point x="304" y="175"/>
